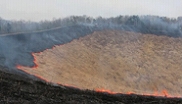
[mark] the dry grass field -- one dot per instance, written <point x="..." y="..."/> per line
<point x="118" y="61"/>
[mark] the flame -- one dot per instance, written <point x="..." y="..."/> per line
<point x="163" y="93"/>
<point x="19" y="66"/>
<point x="130" y="93"/>
<point x="34" y="61"/>
<point x="105" y="91"/>
<point x="40" y="77"/>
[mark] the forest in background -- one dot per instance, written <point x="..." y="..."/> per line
<point x="144" y="24"/>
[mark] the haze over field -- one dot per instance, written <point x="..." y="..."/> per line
<point x="37" y="10"/>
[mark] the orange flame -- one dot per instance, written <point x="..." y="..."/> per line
<point x="19" y="66"/>
<point x="164" y="93"/>
<point x="105" y="91"/>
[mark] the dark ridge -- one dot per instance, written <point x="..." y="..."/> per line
<point x="20" y="90"/>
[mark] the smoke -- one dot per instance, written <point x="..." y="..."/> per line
<point x="17" y="49"/>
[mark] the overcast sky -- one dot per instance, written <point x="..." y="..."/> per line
<point x="36" y="10"/>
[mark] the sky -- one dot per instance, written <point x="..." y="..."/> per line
<point x="36" y="10"/>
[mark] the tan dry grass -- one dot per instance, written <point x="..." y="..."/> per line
<point x="115" y="60"/>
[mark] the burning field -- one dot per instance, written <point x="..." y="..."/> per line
<point x="110" y="61"/>
<point x="117" y="61"/>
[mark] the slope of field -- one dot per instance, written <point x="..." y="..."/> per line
<point x="118" y="61"/>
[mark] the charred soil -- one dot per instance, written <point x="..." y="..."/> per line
<point x="20" y="90"/>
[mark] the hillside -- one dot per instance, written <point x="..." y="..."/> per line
<point x="18" y="39"/>
<point x="118" y="61"/>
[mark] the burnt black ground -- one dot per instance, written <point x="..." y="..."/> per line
<point x="21" y="90"/>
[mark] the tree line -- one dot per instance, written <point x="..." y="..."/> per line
<point x="147" y="23"/>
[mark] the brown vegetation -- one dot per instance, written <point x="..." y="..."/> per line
<point x="115" y="60"/>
